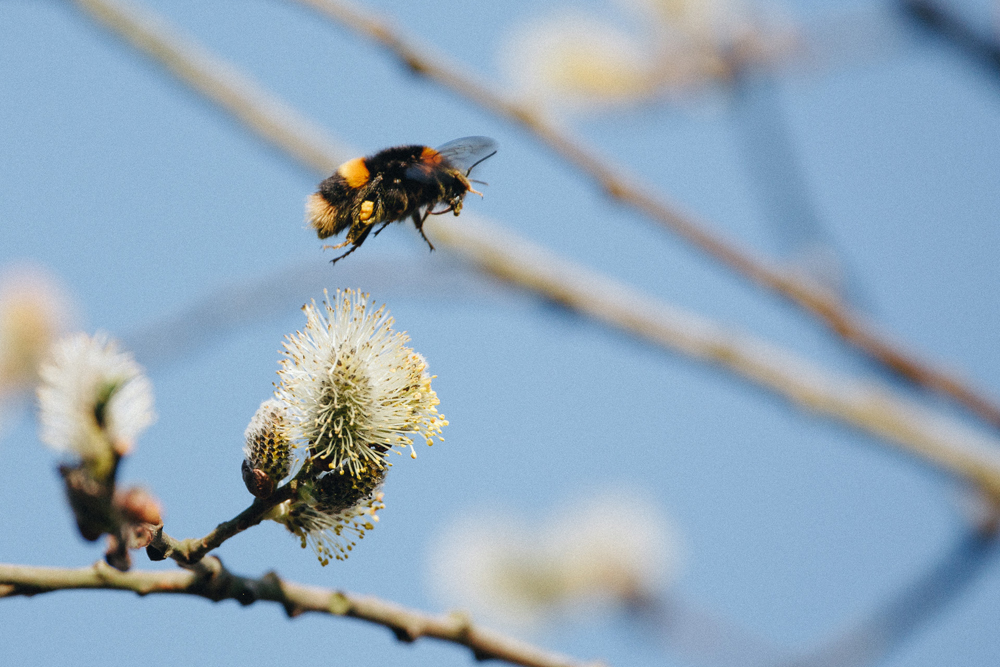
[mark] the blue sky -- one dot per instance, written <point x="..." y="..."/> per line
<point x="144" y="200"/>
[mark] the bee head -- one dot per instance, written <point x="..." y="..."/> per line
<point x="466" y="183"/>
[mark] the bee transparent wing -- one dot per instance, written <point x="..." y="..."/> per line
<point x="462" y="154"/>
<point x="467" y="152"/>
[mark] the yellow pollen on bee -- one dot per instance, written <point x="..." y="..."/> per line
<point x="367" y="207"/>
<point x="355" y="172"/>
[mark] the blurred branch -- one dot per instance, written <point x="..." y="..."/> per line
<point x="702" y="638"/>
<point x="870" y="407"/>
<point x="629" y="189"/>
<point x="935" y="17"/>
<point x="220" y="82"/>
<point x="708" y="640"/>
<point x="876" y="636"/>
<point x="281" y="291"/>
<point x="776" y="175"/>
<point x="209" y="579"/>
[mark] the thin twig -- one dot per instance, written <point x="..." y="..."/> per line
<point x="211" y="580"/>
<point x="192" y="550"/>
<point x="869" y="407"/>
<point x="629" y="189"/>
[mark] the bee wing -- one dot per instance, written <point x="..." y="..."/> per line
<point x="462" y="154"/>
<point x="467" y="152"/>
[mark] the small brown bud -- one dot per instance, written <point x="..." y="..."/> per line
<point x="257" y="481"/>
<point x="90" y="501"/>
<point x="117" y="555"/>
<point x="138" y="506"/>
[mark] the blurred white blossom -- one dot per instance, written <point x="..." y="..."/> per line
<point x="577" y="58"/>
<point x="608" y="552"/>
<point x="34" y="311"/>
<point x="659" y="48"/>
<point x="709" y="21"/>
<point x="93" y="399"/>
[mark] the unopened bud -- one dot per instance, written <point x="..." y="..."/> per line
<point x="257" y="481"/>
<point x="138" y="506"/>
<point x="267" y="450"/>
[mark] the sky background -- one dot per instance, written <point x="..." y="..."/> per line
<point x="145" y="200"/>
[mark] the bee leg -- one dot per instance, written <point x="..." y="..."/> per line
<point x="337" y="259"/>
<point x="424" y="236"/>
<point x="418" y="222"/>
<point x="384" y="225"/>
<point x="357" y="244"/>
<point x="338" y="246"/>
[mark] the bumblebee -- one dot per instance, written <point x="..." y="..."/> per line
<point x="393" y="185"/>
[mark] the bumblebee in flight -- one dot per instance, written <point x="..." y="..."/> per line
<point x="393" y="185"/>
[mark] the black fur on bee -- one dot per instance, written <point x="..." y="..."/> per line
<point x="395" y="184"/>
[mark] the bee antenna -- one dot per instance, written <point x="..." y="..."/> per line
<point x="472" y="180"/>
<point x="478" y="162"/>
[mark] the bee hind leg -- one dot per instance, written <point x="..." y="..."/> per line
<point x="337" y="259"/>
<point x="357" y="244"/>
<point x="384" y="225"/>
<point x="418" y="222"/>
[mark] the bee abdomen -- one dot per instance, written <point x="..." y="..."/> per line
<point x="324" y="217"/>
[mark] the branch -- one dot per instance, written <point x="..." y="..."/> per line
<point x="629" y="189"/>
<point x="265" y="114"/>
<point x="193" y="550"/>
<point x="870" y="407"/>
<point x="209" y="579"/>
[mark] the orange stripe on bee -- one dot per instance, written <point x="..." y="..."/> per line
<point x="429" y="156"/>
<point x="355" y="172"/>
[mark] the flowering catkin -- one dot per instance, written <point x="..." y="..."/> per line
<point x="329" y="512"/>
<point x="350" y="390"/>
